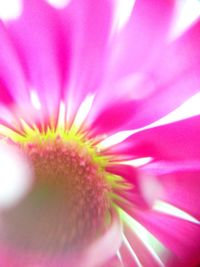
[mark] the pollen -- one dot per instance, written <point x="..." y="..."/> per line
<point x="68" y="203"/>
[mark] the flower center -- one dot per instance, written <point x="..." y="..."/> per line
<point x="68" y="202"/>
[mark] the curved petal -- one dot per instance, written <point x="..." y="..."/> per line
<point x="142" y="38"/>
<point x="136" y="252"/>
<point x="181" y="190"/>
<point x="15" y="98"/>
<point x="174" y="216"/>
<point x="178" y="189"/>
<point x="176" y="141"/>
<point x="131" y="177"/>
<point x="39" y="42"/>
<point x="12" y="79"/>
<point x="89" y="23"/>
<point x="151" y="94"/>
<point x="176" y="78"/>
<point x="96" y="55"/>
<point x="179" y="236"/>
<point x="5" y="95"/>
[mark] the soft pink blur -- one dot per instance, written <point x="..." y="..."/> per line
<point x="137" y="75"/>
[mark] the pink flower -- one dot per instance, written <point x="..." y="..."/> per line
<point x="76" y="95"/>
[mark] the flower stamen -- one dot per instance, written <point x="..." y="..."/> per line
<point x="68" y="202"/>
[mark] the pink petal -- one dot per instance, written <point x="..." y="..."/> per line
<point x="167" y="167"/>
<point x="90" y="23"/>
<point x="181" y="189"/>
<point x="132" y="177"/>
<point x="179" y="236"/>
<point x="169" y="81"/>
<point x="176" y="77"/>
<point x="90" y="51"/>
<point x="142" y="38"/>
<point x="113" y="117"/>
<point x="5" y="95"/>
<point x="15" y="100"/>
<point x="114" y="262"/>
<point x="176" y="141"/>
<point x="144" y="257"/>
<point x="39" y="43"/>
<point x="12" y="80"/>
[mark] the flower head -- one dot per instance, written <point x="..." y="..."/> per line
<point x="97" y="181"/>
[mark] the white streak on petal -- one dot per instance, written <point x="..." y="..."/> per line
<point x="151" y="243"/>
<point x="62" y="115"/>
<point x="83" y="111"/>
<point x="137" y="162"/>
<point x="58" y="3"/>
<point x="172" y="210"/>
<point x="188" y="12"/>
<point x="188" y="109"/>
<point x="119" y="256"/>
<point x="16" y="176"/>
<point x="69" y="109"/>
<point x="35" y="100"/>
<point x="10" y="9"/>
<point x="114" y="139"/>
<point x="123" y="13"/>
<point x="132" y="251"/>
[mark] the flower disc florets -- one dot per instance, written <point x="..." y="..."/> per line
<point x="68" y="202"/>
